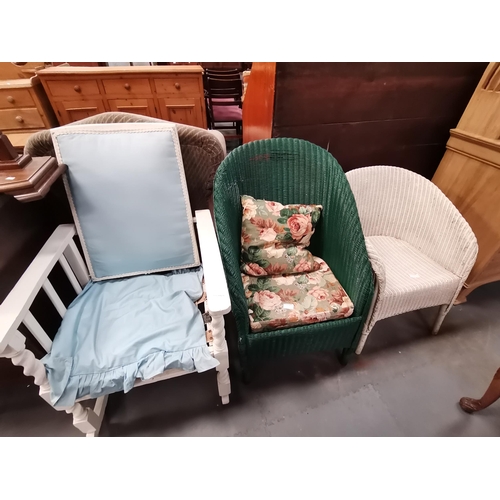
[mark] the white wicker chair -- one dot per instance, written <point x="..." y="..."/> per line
<point x="420" y="247"/>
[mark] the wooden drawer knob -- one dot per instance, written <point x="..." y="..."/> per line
<point x="127" y="86"/>
<point x="77" y="88"/>
<point x="10" y="99"/>
<point x="177" y="86"/>
<point x="20" y="119"/>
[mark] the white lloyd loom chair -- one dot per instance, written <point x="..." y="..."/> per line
<point x="420" y="247"/>
<point x="136" y="320"/>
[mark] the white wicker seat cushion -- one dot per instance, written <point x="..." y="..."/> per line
<point x="412" y="280"/>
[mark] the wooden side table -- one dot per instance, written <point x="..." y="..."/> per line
<point x="26" y="178"/>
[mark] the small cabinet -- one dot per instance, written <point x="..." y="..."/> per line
<point x="71" y="111"/>
<point x="178" y="86"/>
<point x="23" y="118"/>
<point x="24" y="109"/>
<point x="70" y="89"/>
<point x="184" y="110"/>
<point x="144" y="107"/>
<point x="127" y="87"/>
<point x="16" y="98"/>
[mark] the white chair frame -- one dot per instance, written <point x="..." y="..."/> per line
<point x="457" y="248"/>
<point x="60" y="247"/>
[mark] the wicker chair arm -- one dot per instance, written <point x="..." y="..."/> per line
<point x="377" y="266"/>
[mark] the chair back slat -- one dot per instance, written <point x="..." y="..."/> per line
<point x="70" y="274"/>
<point x="221" y="94"/>
<point x="37" y="331"/>
<point x="16" y="305"/>
<point x="228" y="71"/>
<point x="75" y="260"/>
<point x="54" y="298"/>
<point x="225" y="88"/>
<point x="229" y="75"/>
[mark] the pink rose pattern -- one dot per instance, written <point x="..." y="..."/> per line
<point x="318" y="293"/>
<point x="268" y="226"/>
<point x="268" y="234"/>
<point x="285" y="285"/>
<point x="299" y="225"/>
<point x="256" y="270"/>
<point x="309" y="298"/>
<point x="267" y="300"/>
<point x="274" y="207"/>
<point x="304" y="266"/>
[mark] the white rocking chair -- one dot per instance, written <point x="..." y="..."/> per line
<point x="96" y="157"/>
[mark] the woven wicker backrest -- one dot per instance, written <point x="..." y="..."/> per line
<point x="396" y="202"/>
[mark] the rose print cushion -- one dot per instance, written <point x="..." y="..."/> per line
<point x="298" y="299"/>
<point x="274" y="237"/>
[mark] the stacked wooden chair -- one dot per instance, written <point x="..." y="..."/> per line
<point x="224" y="100"/>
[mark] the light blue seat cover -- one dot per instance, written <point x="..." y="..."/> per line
<point x="118" y="330"/>
<point x="129" y="198"/>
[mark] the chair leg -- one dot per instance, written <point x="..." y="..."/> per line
<point x="84" y="419"/>
<point x="443" y="311"/>
<point x="364" y="336"/>
<point x="371" y="319"/>
<point x="224" y="385"/>
<point x="222" y="355"/>
<point x="343" y="356"/>
<point x="99" y="409"/>
<point x="246" y="376"/>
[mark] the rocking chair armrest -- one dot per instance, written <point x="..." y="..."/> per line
<point x="15" y="306"/>
<point x="218" y="301"/>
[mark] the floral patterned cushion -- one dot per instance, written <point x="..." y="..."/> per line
<point x="298" y="299"/>
<point x="274" y="237"/>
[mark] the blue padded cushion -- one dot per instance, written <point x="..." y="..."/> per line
<point x="116" y="331"/>
<point x="129" y="197"/>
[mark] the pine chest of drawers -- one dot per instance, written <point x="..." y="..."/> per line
<point x="24" y="109"/>
<point x="173" y="93"/>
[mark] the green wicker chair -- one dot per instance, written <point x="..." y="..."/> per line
<point x="294" y="171"/>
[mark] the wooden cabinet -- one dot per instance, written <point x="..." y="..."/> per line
<point x="71" y="111"/>
<point x="173" y="93"/>
<point x="181" y="110"/>
<point x="144" y="107"/>
<point x="469" y="174"/>
<point x="24" y="109"/>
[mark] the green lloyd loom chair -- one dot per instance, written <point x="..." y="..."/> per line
<point x="294" y="171"/>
